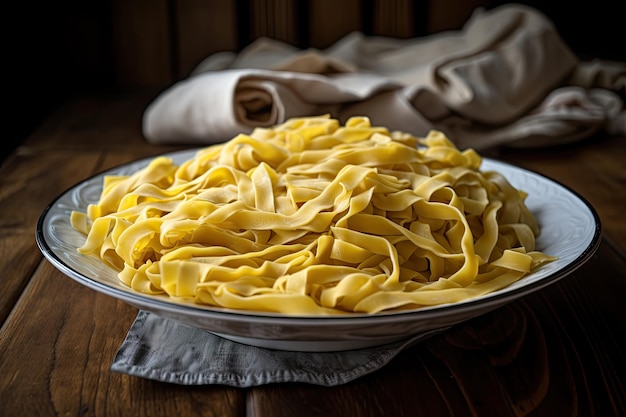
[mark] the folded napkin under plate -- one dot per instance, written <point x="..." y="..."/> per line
<point x="164" y="350"/>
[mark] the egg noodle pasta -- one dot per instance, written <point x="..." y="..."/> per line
<point x="313" y="217"/>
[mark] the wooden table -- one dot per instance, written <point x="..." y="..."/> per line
<point x="556" y="352"/>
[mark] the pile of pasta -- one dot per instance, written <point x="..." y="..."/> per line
<point x="312" y="217"/>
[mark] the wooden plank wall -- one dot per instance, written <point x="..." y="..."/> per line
<point x="57" y="50"/>
<point x="159" y="41"/>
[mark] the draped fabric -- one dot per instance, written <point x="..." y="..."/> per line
<point x="506" y="78"/>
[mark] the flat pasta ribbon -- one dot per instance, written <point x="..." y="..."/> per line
<point x="312" y="217"/>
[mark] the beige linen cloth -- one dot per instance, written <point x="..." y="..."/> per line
<point x="505" y="78"/>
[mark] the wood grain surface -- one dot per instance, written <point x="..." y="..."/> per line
<point x="556" y="352"/>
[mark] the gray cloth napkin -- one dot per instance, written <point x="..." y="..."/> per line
<point x="161" y="349"/>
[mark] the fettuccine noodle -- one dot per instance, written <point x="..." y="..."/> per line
<point x="312" y="217"/>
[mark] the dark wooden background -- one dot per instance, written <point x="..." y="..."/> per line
<point x="58" y="50"/>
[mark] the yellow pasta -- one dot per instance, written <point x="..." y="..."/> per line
<point x="312" y="217"/>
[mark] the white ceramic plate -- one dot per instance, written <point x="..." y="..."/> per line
<point x="570" y="230"/>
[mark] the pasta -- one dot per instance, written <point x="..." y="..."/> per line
<point x="313" y="217"/>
